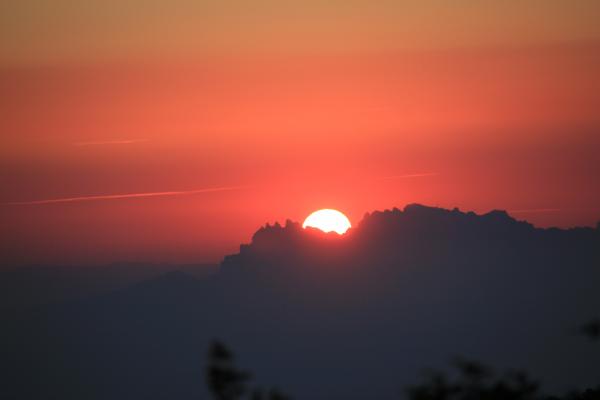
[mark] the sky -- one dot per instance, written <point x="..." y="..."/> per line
<point x="169" y="131"/>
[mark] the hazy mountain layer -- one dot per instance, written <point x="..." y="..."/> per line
<point x="326" y="317"/>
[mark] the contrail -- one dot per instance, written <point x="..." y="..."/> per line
<point x="419" y="175"/>
<point x="106" y="142"/>
<point x="123" y="196"/>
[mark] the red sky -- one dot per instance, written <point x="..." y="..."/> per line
<point x="283" y="111"/>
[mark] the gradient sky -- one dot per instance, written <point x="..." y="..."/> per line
<point x="170" y="131"/>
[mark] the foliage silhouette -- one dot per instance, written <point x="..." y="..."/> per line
<point x="473" y="381"/>
<point x="226" y="382"/>
<point x="591" y="329"/>
<point x="476" y="381"/>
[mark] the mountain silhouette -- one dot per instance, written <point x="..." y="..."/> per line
<point x="325" y="316"/>
<point x="35" y="286"/>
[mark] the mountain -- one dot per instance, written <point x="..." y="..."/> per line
<point x="324" y="316"/>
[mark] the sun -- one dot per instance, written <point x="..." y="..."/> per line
<point x="328" y="220"/>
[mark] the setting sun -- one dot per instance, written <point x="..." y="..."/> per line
<point x="328" y="220"/>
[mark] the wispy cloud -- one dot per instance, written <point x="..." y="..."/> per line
<point x="109" y="142"/>
<point x="416" y="175"/>
<point x="123" y="196"/>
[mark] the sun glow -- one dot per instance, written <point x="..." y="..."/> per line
<point x="328" y="220"/>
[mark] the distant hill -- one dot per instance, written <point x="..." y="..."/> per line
<point x="326" y="317"/>
<point x="33" y="286"/>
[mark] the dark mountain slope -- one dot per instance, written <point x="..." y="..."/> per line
<point x="324" y="316"/>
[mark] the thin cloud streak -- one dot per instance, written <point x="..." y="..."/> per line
<point x="109" y="142"/>
<point x="124" y="196"/>
<point x="418" y="175"/>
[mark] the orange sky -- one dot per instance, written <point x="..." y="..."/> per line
<point x="350" y="105"/>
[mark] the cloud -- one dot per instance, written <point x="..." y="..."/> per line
<point x="416" y="175"/>
<point x="124" y="196"/>
<point x="109" y="142"/>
